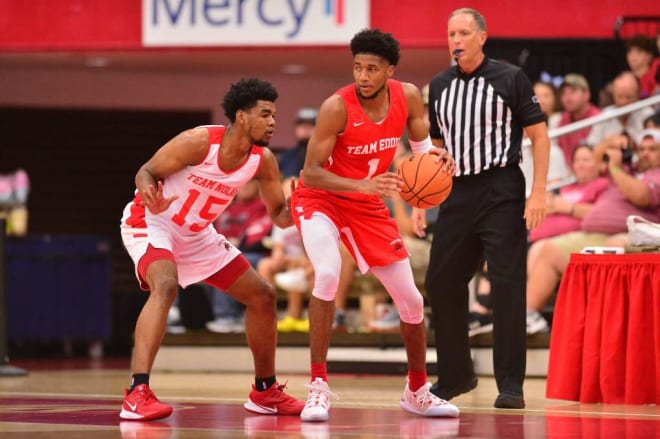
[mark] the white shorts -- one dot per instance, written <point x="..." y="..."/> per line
<point x="198" y="256"/>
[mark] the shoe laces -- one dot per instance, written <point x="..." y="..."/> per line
<point x="144" y="394"/>
<point x="319" y="394"/>
<point x="424" y="397"/>
<point x="278" y="391"/>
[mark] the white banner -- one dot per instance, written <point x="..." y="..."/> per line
<point x="252" y="22"/>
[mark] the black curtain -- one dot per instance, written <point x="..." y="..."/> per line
<point x="598" y="60"/>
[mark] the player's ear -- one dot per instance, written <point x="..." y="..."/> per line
<point x="241" y="117"/>
<point x="390" y="71"/>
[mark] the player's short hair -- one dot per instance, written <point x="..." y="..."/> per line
<point x="478" y="18"/>
<point x="376" y="42"/>
<point x="244" y="94"/>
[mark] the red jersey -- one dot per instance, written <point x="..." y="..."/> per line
<point x="366" y="148"/>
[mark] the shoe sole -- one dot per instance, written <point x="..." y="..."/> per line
<point x="315" y="418"/>
<point x="132" y="416"/>
<point x="509" y="403"/>
<point x="438" y="412"/>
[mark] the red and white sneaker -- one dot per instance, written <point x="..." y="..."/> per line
<point x="318" y="401"/>
<point x="142" y="405"/>
<point x="423" y="402"/>
<point x="273" y="401"/>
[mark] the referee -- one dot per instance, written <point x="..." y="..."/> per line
<point x="478" y="110"/>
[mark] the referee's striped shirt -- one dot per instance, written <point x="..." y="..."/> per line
<point x="480" y="116"/>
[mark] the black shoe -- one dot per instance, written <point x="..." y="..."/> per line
<point x="509" y="401"/>
<point x="449" y="394"/>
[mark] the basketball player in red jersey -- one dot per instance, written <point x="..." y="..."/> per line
<point x="340" y="197"/>
<point x="167" y="230"/>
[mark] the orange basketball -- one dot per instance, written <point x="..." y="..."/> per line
<point x="425" y="184"/>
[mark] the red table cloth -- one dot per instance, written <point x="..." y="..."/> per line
<point x="605" y="341"/>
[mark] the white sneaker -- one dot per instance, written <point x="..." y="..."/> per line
<point x="423" y="402"/>
<point x="318" y="401"/>
<point x="388" y="322"/>
<point x="535" y="322"/>
<point x="292" y="280"/>
<point x="226" y="325"/>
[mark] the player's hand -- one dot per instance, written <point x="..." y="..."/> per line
<point x="535" y="209"/>
<point x="418" y="219"/>
<point x="445" y="159"/>
<point x="387" y="184"/>
<point x="153" y="199"/>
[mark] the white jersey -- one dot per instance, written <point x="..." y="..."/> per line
<point x="186" y="228"/>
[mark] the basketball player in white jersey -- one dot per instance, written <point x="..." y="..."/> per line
<point x="167" y="230"/>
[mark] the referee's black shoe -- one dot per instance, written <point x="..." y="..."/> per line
<point x="509" y="401"/>
<point x="454" y="392"/>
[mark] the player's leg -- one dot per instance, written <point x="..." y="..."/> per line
<point x="158" y="269"/>
<point x="398" y="280"/>
<point x="242" y="282"/>
<point x="321" y="240"/>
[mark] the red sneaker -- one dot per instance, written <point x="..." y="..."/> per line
<point x="142" y="405"/>
<point x="273" y="402"/>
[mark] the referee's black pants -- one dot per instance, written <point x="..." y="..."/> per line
<point x="483" y="217"/>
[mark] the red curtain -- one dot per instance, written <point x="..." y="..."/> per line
<point x="605" y="342"/>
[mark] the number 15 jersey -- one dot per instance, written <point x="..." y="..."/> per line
<point x="185" y="228"/>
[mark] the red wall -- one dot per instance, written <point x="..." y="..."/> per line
<point x="116" y="24"/>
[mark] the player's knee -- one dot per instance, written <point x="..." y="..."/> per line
<point x="165" y="285"/>
<point x="411" y="309"/>
<point x="326" y="282"/>
<point x="264" y="296"/>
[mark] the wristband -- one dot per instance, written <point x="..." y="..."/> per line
<point x="615" y="170"/>
<point x="421" y="146"/>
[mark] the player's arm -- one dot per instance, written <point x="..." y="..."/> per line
<point x="187" y="148"/>
<point x="535" y="209"/>
<point x="330" y="122"/>
<point x="270" y="189"/>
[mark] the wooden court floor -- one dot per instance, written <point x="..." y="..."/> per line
<point x="57" y="400"/>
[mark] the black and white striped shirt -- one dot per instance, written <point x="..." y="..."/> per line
<point x="480" y="116"/>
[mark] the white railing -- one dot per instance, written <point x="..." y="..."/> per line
<point x="607" y="115"/>
<point x="575" y="126"/>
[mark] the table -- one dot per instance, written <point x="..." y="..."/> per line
<point x="605" y="341"/>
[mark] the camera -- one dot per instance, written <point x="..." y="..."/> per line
<point x="626" y="152"/>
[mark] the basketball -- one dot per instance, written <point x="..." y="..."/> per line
<point x="425" y="184"/>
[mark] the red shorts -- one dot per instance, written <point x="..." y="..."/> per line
<point x="365" y="226"/>
<point x="222" y="280"/>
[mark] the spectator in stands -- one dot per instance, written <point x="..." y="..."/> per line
<point x="291" y="160"/>
<point x="291" y="163"/>
<point x="288" y="268"/>
<point x="575" y="98"/>
<point x="245" y="223"/>
<point x="653" y="121"/>
<point x="642" y="58"/>
<point x="631" y="192"/>
<point x="625" y="90"/>
<point x="558" y="171"/>
<point x="568" y="205"/>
